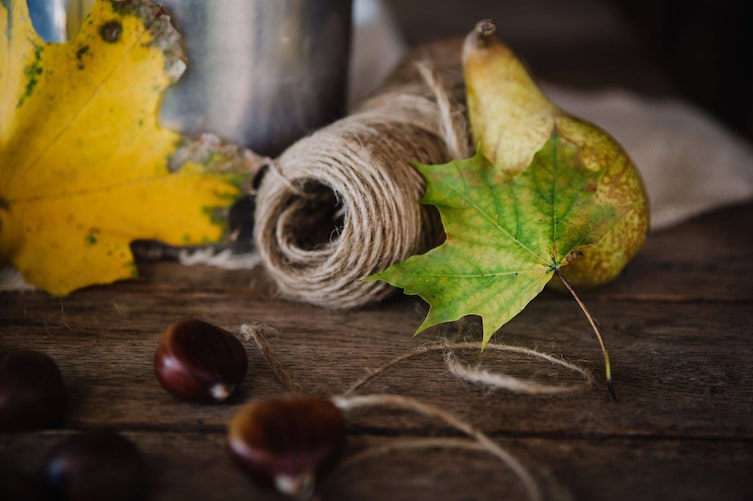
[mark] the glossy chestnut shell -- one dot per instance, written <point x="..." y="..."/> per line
<point x="287" y="442"/>
<point x="32" y="391"/>
<point x="198" y="361"/>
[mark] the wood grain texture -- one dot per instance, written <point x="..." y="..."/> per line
<point x="678" y="324"/>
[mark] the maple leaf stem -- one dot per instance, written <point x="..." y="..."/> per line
<point x="607" y="365"/>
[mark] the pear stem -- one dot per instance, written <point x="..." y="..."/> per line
<point x="484" y="32"/>
<point x="607" y="365"/>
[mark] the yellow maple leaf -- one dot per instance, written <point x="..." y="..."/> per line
<point x="84" y="165"/>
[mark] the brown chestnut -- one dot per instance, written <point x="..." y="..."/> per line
<point x="95" y="466"/>
<point x="32" y="392"/>
<point x="287" y="442"/>
<point x="198" y="361"/>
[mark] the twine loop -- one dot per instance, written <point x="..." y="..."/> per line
<point x="342" y="203"/>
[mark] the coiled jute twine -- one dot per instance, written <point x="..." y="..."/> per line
<point x="343" y="203"/>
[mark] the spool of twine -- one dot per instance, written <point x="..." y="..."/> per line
<point x="343" y="203"/>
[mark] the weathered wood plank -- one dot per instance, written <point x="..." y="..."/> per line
<point x="678" y="325"/>
<point x="706" y="259"/>
<point x="671" y="358"/>
<point x="189" y="465"/>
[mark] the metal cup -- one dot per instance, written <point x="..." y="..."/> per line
<point x="261" y="73"/>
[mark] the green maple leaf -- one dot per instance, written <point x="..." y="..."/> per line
<point x="506" y="236"/>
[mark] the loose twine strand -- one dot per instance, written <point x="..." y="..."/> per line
<point x="405" y="403"/>
<point x="342" y="203"/>
<point x="348" y="400"/>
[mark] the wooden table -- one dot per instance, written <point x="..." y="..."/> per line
<point x="679" y="325"/>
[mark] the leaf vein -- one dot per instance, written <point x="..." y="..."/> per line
<point x="497" y="226"/>
<point x="96" y="91"/>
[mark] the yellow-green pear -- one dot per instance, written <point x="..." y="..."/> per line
<point x="511" y="119"/>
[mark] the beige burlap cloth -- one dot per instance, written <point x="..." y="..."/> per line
<point x="690" y="163"/>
